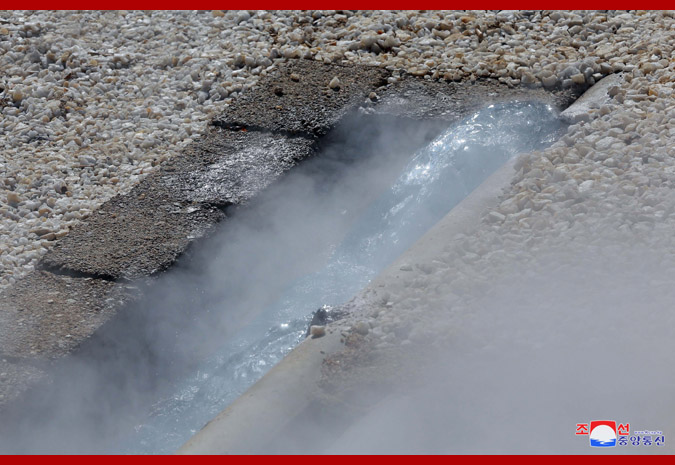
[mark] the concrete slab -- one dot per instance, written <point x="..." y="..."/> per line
<point x="132" y="235"/>
<point x="146" y="230"/>
<point x="298" y="99"/>
<point x="44" y="316"/>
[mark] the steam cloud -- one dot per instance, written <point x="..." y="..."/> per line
<point x="583" y="334"/>
<point x="580" y="334"/>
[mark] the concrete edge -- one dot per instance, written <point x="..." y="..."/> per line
<point x="259" y="414"/>
<point x="462" y="219"/>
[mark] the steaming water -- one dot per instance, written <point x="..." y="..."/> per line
<point x="437" y="177"/>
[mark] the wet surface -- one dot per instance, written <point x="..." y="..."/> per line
<point x="247" y="163"/>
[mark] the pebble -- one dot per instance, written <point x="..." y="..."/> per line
<point x="13" y="199"/>
<point x="334" y="83"/>
<point x="578" y="79"/>
<point x="549" y="82"/>
<point x="317" y="331"/>
<point x="360" y="327"/>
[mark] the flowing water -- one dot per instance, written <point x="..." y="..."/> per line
<point x="437" y="177"/>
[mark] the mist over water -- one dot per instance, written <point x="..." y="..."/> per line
<point x="583" y="333"/>
<point x="210" y="328"/>
<point x="443" y="173"/>
<point x="437" y="177"/>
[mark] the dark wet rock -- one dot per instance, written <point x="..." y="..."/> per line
<point x="297" y="98"/>
<point x="324" y="316"/>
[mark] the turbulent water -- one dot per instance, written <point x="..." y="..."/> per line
<point x="437" y="177"/>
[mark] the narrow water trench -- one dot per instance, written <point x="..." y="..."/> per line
<point x="208" y="329"/>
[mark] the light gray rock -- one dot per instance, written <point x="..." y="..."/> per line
<point x="360" y="327"/>
<point x="605" y="143"/>
<point x="596" y="96"/>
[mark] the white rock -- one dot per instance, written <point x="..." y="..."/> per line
<point x="86" y="160"/>
<point x="605" y="143"/>
<point x="496" y="217"/>
<point x="586" y="186"/>
<point x="361" y="327"/>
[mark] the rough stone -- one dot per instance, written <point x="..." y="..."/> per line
<point x="306" y="106"/>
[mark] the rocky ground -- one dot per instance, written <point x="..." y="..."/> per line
<point x="92" y="102"/>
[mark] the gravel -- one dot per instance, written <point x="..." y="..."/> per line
<point x="92" y="102"/>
